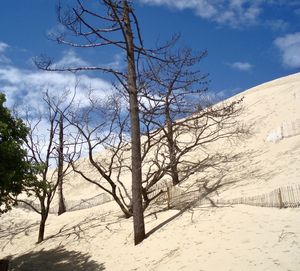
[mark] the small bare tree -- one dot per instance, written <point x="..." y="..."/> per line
<point x="102" y="127"/>
<point x="46" y="153"/>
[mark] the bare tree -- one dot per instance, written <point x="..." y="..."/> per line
<point x="103" y="128"/>
<point x="168" y="84"/>
<point x="47" y="158"/>
<point x="113" y="25"/>
<point x="184" y="119"/>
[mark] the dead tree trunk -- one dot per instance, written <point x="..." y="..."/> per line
<point x="60" y="173"/>
<point x="44" y="215"/>
<point x="137" y="201"/>
<point x="171" y="145"/>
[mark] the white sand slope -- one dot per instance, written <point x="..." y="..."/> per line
<point x="205" y="238"/>
<point x="274" y="147"/>
<point x="268" y="158"/>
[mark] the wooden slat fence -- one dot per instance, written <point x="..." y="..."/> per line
<point x="174" y="196"/>
<point x="283" y="197"/>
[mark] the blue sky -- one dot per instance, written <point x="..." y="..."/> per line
<point x="248" y="43"/>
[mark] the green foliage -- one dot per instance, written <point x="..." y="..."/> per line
<point x="14" y="167"/>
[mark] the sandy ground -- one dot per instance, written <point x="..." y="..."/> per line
<point x="205" y="238"/>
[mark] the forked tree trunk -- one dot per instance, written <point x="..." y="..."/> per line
<point x="61" y="201"/>
<point x="137" y="201"/>
<point x="127" y="212"/>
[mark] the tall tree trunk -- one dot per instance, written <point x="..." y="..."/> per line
<point x="61" y="201"/>
<point x="137" y="201"/>
<point x="171" y="145"/>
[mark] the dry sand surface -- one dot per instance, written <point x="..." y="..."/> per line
<point x="227" y="238"/>
<point x="203" y="238"/>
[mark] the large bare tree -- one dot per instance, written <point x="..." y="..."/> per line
<point x="112" y="24"/>
<point x="167" y="83"/>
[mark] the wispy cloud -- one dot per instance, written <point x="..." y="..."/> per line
<point x="297" y="11"/>
<point x="25" y="87"/>
<point x="70" y="58"/>
<point x="241" y="66"/>
<point x="289" y="45"/>
<point x="233" y="12"/>
<point x="118" y="62"/>
<point x="277" y="25"/>
<point x="3" y="58"/>
<point x="3" y="46"/>
<point x="226" y="93"/>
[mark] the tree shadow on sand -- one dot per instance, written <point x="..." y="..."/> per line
<point x="12" y="229"/>
<point x="228" y="175"/>
<point x="57" y="259"/>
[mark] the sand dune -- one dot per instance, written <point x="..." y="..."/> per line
<point x="205" y="238"/>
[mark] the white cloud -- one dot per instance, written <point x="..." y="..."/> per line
<point x="235" y="13"/>
<point x="70" y="59"/>
<point x="4" y="59"/>
<point x="26" y="87"/>
<point x="118" y="62"/>
<point x="277" y="25"/>
<point x="289" y="45"/>
<point x="242" y="66"/>
<point x="3" y="46"/>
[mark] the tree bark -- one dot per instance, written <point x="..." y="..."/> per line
<point x="171" y="145"/>
<point x="137" y="201"/>
<point x="127" y="212"/>
<point x="61" y="201"/>
<point x="44" y="215"/>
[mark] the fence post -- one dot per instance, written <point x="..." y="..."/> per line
<point x="169" y="197"/>
<point x="281" y="204"/>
